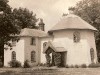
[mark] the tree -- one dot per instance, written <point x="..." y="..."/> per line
<point x="24" y="18"/>
<point x="5" y="25"/>
<point x="4" y="6"/>
<point x="89" y="10"/>
<point x="5" y="20"/>
<point x="11" y="23"/>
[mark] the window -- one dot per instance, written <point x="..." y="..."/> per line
<point x="33" y="56"/>
<point x="92" y="55"/>
<point x="13" y="55"/>
<point x="14" y="42"/>
<point x="50" y="33"/>
<point x="44" y="44"/>
<point x="76" y="36"/>
<point x="33" y="42"/>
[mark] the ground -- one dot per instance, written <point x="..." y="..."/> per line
<point x="49" y="71"/>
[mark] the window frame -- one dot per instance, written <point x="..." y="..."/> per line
<point x="33" y="56"/>
<point x="13" y="57"/>
<point x="76" y="37"/>
<point x="14" y="42"/>
<point x="92" y="55"/>
<point x="44" y="44"/>
<point x="33" y="41"/>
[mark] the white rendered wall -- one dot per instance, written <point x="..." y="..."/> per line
<point x="92" y="44"/>
<point x="19" y="49"/>
<point x="43" y="58"/>
<point x="77" y="53"/>
<point x="29" y="48"/>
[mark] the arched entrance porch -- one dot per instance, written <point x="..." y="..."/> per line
<point x="55" y="58"/>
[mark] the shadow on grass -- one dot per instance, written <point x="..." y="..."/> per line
<point x="7" y="73"/>
<point x="32" y="72"/>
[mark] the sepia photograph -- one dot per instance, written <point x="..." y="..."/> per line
<point x="49" y="37"/>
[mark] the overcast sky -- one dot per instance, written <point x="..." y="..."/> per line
<point x="50" y="10"/>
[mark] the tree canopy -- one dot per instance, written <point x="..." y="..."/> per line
<point x="89" y="10"/>
<point x="24" y="18"/>
<point x="6" y="22"/>
<point x="4" y="6"/>
<point x="13" y="20"/>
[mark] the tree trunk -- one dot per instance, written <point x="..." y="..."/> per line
<point x="1" y="55"/>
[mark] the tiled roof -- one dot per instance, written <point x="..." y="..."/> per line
<point x="55" y="46"/>
<point x="72" y="22"/>
<point x="33" y="32"/>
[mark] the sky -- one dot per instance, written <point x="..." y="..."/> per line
<point x="50" y="10"/>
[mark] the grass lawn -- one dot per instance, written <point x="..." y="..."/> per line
<point x="49" y="71"/>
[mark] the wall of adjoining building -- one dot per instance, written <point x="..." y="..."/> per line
<point x="77" y="53"/>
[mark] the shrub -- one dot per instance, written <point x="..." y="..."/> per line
<point x="71" y="66"/>
<point x="26" y="64"/>
<point x="76" y="66"/>
<point x="1" y="64"/>
<point x="93" y="65"/>
<point x="67" y="66"/>
<point x="83" y="66"/>
<point x="14" y="64"/>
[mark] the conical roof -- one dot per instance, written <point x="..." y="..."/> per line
<point x="72" y="22"/>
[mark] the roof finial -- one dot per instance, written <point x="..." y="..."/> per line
<point x="41" y="22"/>
<point x="41" y="19"/>
<point x="71" y="10"/>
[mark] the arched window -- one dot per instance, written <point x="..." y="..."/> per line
<point x="76" y="36"/>
<point x="33" y="54"/>
<point x="44" y="44"/>
<point x="13" y="55"/>
<point x="92" y="55"/>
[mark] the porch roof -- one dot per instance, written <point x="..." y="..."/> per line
<point x="60" y="49"/>
<point x="55" y="46"/>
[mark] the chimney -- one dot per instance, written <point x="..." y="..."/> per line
<point x="41" y="25"/>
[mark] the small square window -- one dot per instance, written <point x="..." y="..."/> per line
<point x="14" y="42"/>
<point x="33" y="41"/>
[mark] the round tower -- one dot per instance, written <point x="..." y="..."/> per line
<point x="41" y="25"/>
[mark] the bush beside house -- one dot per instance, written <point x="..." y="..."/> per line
<point x="14" y="64"/>
<point x="27" y="64"/>
<point x="17" y="64"/>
